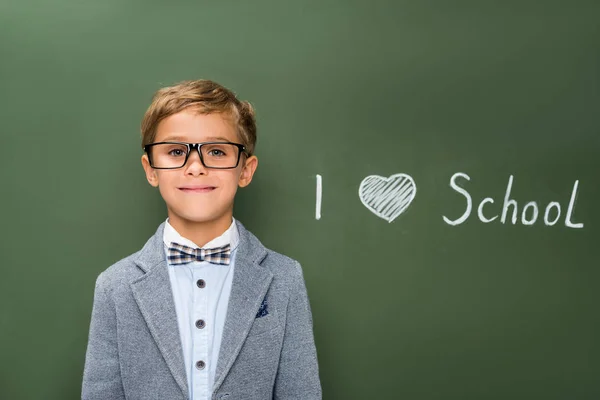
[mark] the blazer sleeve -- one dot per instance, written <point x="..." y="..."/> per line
<point x="101" y="374"/>
<point x="298" y="373"/>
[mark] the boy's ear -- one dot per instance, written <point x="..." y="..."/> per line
<point x="248" y="171"/>
<point x="150" y="172"/>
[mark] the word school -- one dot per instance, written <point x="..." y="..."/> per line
<point x="529" y="213"/>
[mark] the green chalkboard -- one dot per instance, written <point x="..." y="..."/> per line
<point x="417" y="116"/>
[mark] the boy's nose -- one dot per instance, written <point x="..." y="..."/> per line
<point x="194" y="164"/>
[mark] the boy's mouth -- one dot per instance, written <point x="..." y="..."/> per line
<point x="197" y="188"/>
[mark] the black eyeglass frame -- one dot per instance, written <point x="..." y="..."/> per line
<point x="197" y="147"/>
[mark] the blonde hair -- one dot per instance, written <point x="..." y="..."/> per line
<point x="206" y="97"/>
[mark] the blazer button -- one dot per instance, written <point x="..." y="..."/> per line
<point x="200" y="364"/>
<point x="200" y="324"/>
<point x="200" y="283"/>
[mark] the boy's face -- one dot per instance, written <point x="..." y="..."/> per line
<point x="194" y="193"/>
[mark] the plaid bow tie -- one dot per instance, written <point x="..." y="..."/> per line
<point x="180" y="254"/>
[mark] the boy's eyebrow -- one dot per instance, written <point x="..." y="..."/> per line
<point x="222" y="138"/>
<point x="207" y="139"/>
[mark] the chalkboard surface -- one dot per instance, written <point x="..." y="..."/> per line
<point x="432" y="164"/>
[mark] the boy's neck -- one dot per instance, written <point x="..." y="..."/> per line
<point x="200" y="232"/>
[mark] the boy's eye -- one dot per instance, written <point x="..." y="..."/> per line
<point x="217" y="151"/>
<point x="177" y="152"/>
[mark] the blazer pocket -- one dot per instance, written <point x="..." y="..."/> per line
<point x="264" y="324"/>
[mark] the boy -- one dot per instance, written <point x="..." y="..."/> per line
<point x="203" y="310"/>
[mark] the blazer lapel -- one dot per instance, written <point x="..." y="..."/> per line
<point x="154" y="297"/>
<point x="249" y="287"/>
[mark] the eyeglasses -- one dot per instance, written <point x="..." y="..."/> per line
<point x="173" y="155"/>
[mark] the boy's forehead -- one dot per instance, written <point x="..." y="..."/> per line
<point x="189" y="126"/>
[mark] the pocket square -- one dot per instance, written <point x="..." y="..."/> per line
<point x="263" y="310"/>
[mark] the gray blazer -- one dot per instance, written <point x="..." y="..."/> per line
<point x="134" y="350"/>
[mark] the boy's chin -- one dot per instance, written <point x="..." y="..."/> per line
<point x="199" y="217"/>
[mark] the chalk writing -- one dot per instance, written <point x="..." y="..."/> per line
<point x="319" y="196"/>
<point x="529" y="213"/>
<point x="387" y="197"/>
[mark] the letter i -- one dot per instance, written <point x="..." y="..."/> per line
<point x="319" y="196"/>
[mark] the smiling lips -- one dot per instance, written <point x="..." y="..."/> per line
<point x="197" y="189"/>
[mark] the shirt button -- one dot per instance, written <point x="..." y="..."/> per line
<point x="200" y="324"/>
<point x="200" y="283"/>
<point x="200" y="364"/>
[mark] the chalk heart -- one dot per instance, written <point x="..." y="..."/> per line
<point x="387" y="197"/>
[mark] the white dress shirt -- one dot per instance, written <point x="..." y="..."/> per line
<point x="201" y="293"/>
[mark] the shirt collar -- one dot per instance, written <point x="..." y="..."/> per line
<point x="230" y="236"/>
